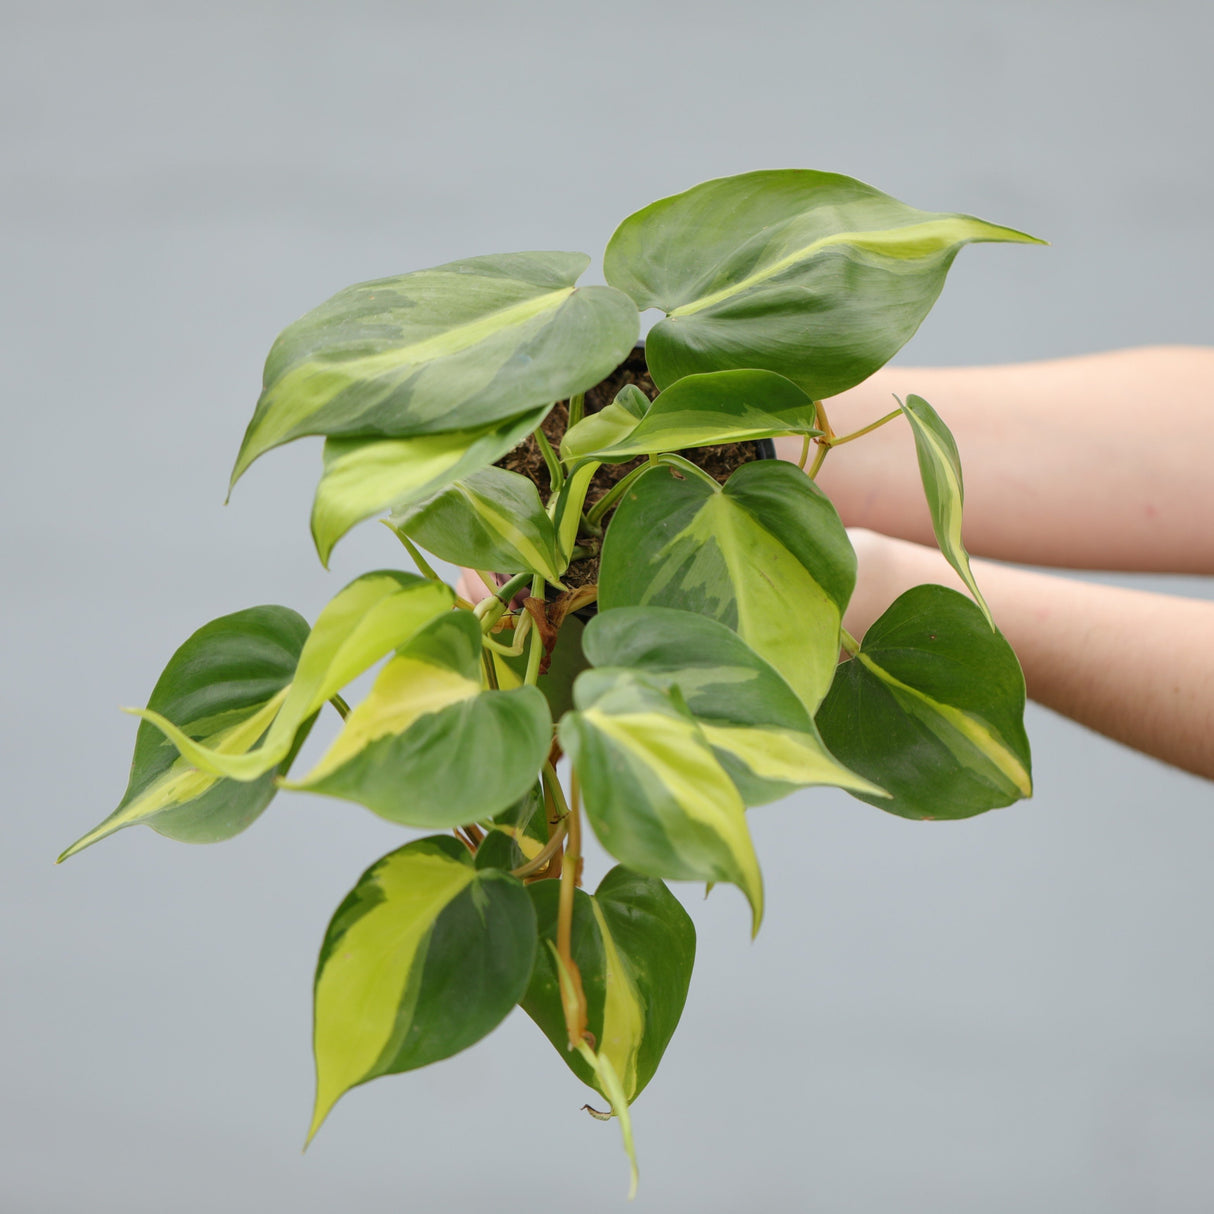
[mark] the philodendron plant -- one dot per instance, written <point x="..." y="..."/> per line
<point x="708" y="678"/>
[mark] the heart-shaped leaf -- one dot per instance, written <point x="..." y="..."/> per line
<point x="700" y="411"/>
<point x="813" y="275"/>
<point x="222" y="688"/>
<point x="368" y="619"/>
<point x="429" y="747"/>
<point x="940" y="469"/>
<point x="766" y="555"/>
<point x="457" y="347"/>
<point x="425" y="956"/>
<point x="759" y="730"/>
<point x="932" y="709"/>
<point x="657" y="797"/>
<point x="493" y="519"/>
<point x="634" y="946"/>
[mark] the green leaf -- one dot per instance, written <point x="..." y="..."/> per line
<point x="608" y="426"/>
<point x="654" y="792"/>
<point x="766" y="555"/>
<point x="493" y="519"/>
<point x="570" y="500"/>
<point x="425" y="956"/>
<point x="932" y="709"/>
<point x="365" y="476"/>
<point x="368" y="619"/>
<point x="428" y="747"/>
<point x="221" y="688"/>
<point x="700" y="411"/>
<point x="940" y="469"/>
<point x="524" y="824"/>
<point x="457" y="347"/>
<point x="759" y="730"/>
<point x="634" y="946"/>
<point x="813" y="275"/>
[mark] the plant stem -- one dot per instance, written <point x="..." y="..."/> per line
<point x="540" y="860"/>
<point x="575" y="1017"/>
<point x="849" y="642"/>
<point x="556" y="474"/>
<point x="577" y="407"/>
<point x="824" y="423"/>
<point x="847" y="438"/>
<point x="515" y="648"/>
<point x="819" y="459"/>
<point x="685" y="465"/>
<point x="489" y="610"/>
<point x="423" y="566"/>
<point x="595" y="513"/>
<point x="536" y="652"/>
<point x="343" y="709"/>
<point x="553" y="786"/>
<point x="490" y="670"/>
<point x="804" y="451"/>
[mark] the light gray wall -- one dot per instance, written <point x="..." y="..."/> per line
<point x="1004" y="1014"/>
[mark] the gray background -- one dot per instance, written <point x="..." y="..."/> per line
<point x="997" y="1015"/>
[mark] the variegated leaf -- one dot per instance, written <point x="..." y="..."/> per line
<point x="368" y="619"/>
<point x="766" y="555"/>
<point x="700" y="411"/>
<point x="602" y="430"/>
<point x="657" y="797"/>
<point x="365" y="476"/>
<point x="457" y="347"/>
<point x="634" y="947"/>
<point x="221" y="688"/>
<point x="940" y="469"/>
<point x="813" y="275"/>
<point x="429" y="747"/>
<point x="566" y="510"/>
<point x="524" y="825"/>
<point x="493" y="519"/>
<point x="932" y="709"/>
<point x="425" y="956"/>
<point x="759" y="730"/>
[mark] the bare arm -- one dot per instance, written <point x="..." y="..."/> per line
<point x="1099" y="462"/>
<point x="1136" y="667"/>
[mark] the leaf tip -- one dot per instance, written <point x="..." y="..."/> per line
<point x="319" y="1113"/>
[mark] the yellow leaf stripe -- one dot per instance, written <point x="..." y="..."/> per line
<point x="567" y="509"/>
<point x="182" y="782"/>
<point x="370" y="617"/>
<point x="946" y="497"/>
<point x="406" y="690"/>
<point x="533" y="557"/>
<point x="363" y="991"/>
<point x="308" y="387"/>
<point x="371" y="476"/>
<point x="673" y="753"/>
<point x="925" y="239"/>
<point x="782" y="754"/>
<point x="623" y="1015"/>
<point x="778" y="601"/>
<point x="968" y="734"/>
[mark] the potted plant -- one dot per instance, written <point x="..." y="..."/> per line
<point x="500" y="417"/>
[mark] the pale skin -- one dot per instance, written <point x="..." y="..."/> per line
<point x="1096" y="462"/>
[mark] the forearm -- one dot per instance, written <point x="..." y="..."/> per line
<point x="1134" y="666"/>
<point x="1099" y="462"/>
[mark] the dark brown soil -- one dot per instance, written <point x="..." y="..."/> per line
<point x="527" y="459"/>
